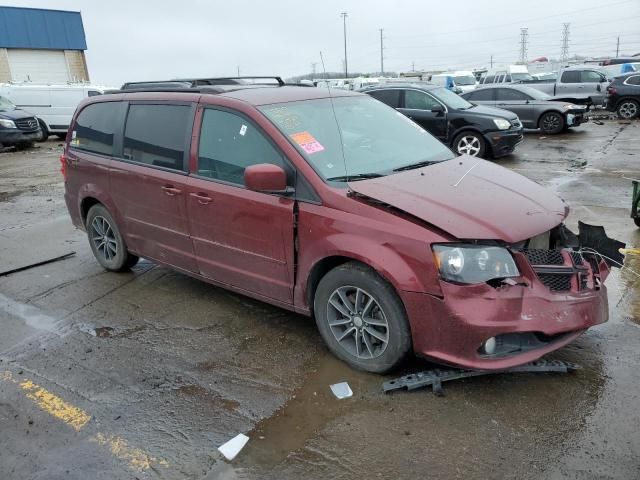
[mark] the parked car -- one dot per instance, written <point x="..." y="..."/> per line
<point x="17" y="127"/>
<point x="623" y="96"/>
<point x="508" y="74"/>
<point x="534" y="108"/>
<point x="331" y="204"/>
<point x="583" y="85"/>
<point x="52" y="104"/>
<point x="457" y="82"/>
<point x="469" y="129"/>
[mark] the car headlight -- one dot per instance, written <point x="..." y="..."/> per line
<point x="502" y="124"/>
<point x="474" y="263"/>
<point x="568" y="106"/>
<point x="7" y="123"/>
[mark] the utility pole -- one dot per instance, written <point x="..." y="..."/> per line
<point x="238" y="68"/>
<point x="618" y="48"/>
<point x="524" y="33"/>
<point x="491" y="62"/>
<point x="413" y="66"/>
<point x="564" y="52"/>
<point x="313" y="68"/>
<point x="381" y="52"/>
<point x="344" y="26"/>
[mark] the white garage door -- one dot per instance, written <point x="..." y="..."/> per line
<point x="38" y="66"/>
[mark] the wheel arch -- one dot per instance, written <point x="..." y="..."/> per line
<point x="551" y="110"/>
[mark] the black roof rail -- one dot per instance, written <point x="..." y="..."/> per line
<point x="231" y="80"/>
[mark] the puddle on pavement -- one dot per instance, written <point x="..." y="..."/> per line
<point x="200" y="393"/>
<point x="630" y="280"/>
<point x="307" y="412"/>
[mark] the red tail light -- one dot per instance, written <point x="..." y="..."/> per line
<point x="63" y="166"/>
<point x="611" y="90"/>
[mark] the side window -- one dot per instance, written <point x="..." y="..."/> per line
<point x="418" y="100"/>
<point x="500" y="78"/>
<point x="229" y="144"/>
<point x="510" y="94"/>
<point x="96" y="127"/>
<point x="507" y="78"/>
<point x="484" y="94"/>
<point x="489" y="79"/>
<point x="634" y="80"/>
<point x="570" y="76"/>
<point x="589" y="76"/>
<point x="157" y="134"/>
<point x="390" y="97"/>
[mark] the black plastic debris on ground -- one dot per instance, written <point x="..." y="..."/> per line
<point x="435" y="377"/>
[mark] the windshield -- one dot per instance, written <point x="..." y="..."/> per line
<point x="450" y="99"/>
<point x="533" y="93"/>
<point x="6" y="104"/>
<point x="465" y="80"/>
<point x="516" y="77"/>
<point x="375" y="138"/>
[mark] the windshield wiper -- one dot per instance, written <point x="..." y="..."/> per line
<point x="411" y="166"/>
<point x="357" y="176"/>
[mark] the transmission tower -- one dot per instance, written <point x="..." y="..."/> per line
<point x="524" y="33"/>
<point x="564" y="52"/>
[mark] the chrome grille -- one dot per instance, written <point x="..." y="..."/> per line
<point x="27" y="123"/>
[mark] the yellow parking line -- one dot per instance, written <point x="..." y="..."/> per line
<point x="77" y="419"/>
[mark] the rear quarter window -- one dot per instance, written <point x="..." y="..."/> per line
<point x="635" y="80"/>
<point x="96" y="127"/>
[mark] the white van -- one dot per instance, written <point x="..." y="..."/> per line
<point x="52" y="104"/>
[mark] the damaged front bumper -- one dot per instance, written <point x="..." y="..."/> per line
<point x="496" y="325"/>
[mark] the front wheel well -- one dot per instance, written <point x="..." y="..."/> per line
<point x="85" y="206"/>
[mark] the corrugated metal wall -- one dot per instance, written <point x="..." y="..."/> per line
<point x="41" y="29"/>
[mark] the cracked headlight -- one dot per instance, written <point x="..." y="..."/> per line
<point x="473" y="263"/>
<point x="7" y="123"/>
<point x="502" y="124"/>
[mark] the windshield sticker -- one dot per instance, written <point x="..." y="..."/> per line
<point x="307" y="142"/>
<point x="243" y="130"/>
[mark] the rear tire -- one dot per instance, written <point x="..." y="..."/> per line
<point x="552" y="123"/>
<point x="469" y="143"/>
<point x="361" y="318"/>
<point x="637" y="221"/>
<point x="628" y="109"/>
<point x="61" y="136"/>
<point x="106" y="241"/>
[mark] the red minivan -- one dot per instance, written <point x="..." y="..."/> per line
<point x="331" y="204"/>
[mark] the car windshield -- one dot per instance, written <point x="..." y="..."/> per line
<point x="450" y="99"/>
<point x="356" y="137"/>
<point x="6" y="104"/>
<point x="464" y="80"/>
<point x="533" y="93"/>
<point x="516" y="77"/>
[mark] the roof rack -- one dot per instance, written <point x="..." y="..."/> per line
<point x="199" y="82"/>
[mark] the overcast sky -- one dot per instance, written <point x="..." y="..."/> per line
<point x="160" y="39"/>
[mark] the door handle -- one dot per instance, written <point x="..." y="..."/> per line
<point x="203" y="198"/>
<point x="171" y="190"/>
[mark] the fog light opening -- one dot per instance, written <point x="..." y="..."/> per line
<point x="489" y="346"/>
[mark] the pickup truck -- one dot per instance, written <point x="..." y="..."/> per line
<point x="583" y="85"/>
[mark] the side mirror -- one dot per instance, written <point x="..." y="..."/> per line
<point x="265" y="177"/>
<point x="437" y="108"/>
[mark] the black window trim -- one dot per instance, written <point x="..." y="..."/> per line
<point x="290" y="169"/>
<point x="116" y="133"/>
<point x="119" y="153"/>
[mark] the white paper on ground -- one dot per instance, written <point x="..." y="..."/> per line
<point x="233" y="446"/>
<point x="341" y="390"/>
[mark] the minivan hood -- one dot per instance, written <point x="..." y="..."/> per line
<point x="470" y="198"/>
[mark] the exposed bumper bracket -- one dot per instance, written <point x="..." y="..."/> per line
<point x="436" y="376"/>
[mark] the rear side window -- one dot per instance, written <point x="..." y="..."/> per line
<point x="229" y="144"/>
<point x="488" y="79"/>
<point x="390" y="97"/>
<point x="485" y="94"/>
<point x="157" y="134"/>
<point x="634" y="80"/>
<point x="571" y="76"/>
<point x="96" y="126"/>
<point x="510" y="94"/>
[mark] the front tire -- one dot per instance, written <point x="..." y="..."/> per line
<point x="628" y="109"/>
<point x="552" y="123"/>
<point x="45" y="132"/>
<point x="106" y="241"/>
<point x="469" y="143"/>
<point x="361" y="318"/>
<point x="637" y="221"/>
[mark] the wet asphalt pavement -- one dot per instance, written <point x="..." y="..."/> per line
<point x="144" y="374"/>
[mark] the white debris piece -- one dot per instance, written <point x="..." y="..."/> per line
<point x="341" y="390"/>
<point x="233" y="446"/>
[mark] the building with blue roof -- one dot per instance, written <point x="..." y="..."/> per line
<point x="42" y="46"/>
